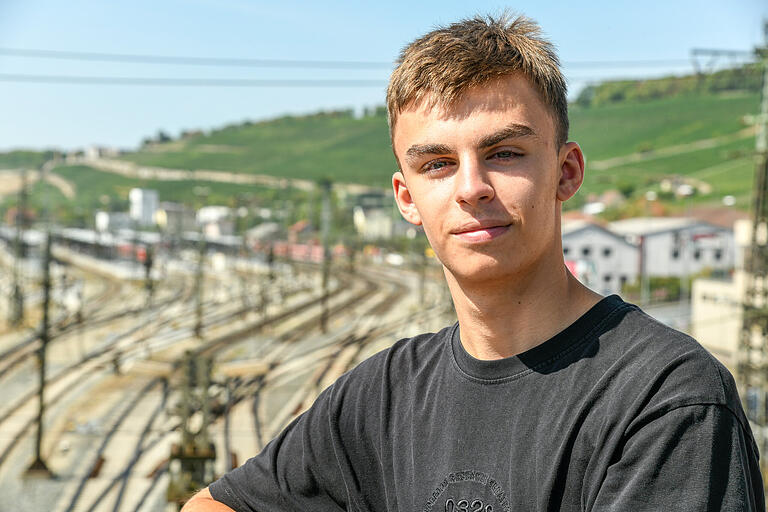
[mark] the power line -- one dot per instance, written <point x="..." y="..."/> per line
<point x="624" y="63"/>
<point x="186" y="82"/>
<point x="192" y="61"/>
<point x="722" y="53"/>
<point x="288" y="63"/>
<point x="228" y="82"/>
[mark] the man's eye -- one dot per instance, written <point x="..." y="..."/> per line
<point x="506" y="154"/>
<point x="434" y="165"/>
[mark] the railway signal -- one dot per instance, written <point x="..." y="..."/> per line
<point x="191" y="463"/>
<point x="752" y="372"/>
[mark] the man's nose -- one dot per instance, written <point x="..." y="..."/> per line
<point x="473" y="185"/>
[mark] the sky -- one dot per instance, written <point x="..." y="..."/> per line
<point x="592" y="38"/>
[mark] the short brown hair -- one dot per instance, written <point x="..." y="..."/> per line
<point x="446" y="62"/>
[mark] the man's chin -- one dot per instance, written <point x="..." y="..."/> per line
<point x="480" y="270"/>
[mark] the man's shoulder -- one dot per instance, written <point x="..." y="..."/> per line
<point x="405" y="357"/>
<point x="667" y="368"/>
<point x="388" y="376"/>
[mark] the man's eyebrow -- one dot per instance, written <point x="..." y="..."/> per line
<point x="418" y="150"/>
<point x="514" y="130"/>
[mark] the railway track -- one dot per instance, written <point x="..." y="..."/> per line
<point x="93" y="315"/>
<point x="209" y="348"/>
<point x="125" y="466"/>
<point x="126" y="345"/>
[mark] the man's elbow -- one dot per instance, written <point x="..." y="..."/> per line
<point x="204" y="502"/>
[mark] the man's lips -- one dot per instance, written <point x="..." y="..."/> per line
<point x="481" y="231"/>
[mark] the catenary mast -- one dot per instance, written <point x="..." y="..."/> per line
<point x="752" y="372"/>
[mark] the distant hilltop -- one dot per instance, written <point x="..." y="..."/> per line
<point x="747" y="78"/>
<point x="652" y="146"/>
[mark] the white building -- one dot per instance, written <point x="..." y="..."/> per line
<point x="93" y="152"/>
<point x="216" y="220"/>
<point x="112" y="221"/>
<point x="175" y="217"/>
<point x="676" y="246"/>
<point x="372" y="215"/>
<point x="716" y="305"/>
<point x="602" y="260"/>
<point x="373" y="223"/>
<point x="265" y="231"/>
<point x="143" y="206"/>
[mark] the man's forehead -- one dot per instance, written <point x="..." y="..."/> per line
<point x="503" y="93"/>
<point x="481" y="114"/>
<point x="510" y="96"/>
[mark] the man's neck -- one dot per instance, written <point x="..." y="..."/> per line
<point x="510" y="316"/>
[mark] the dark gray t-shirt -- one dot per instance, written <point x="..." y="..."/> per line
<point x="616" y="412"/>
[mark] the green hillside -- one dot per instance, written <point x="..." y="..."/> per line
<point x="311" y="147"/>
<point x="358" y="151"/>
<point x="747" y="77"/>
<point x="23" y="158"/>
<point x="101" y="190"/>
<point x="623" y="128"/>
<point x="630" y="146"/>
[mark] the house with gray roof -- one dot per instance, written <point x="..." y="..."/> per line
<point x="678" y="246"/>
<point x="601" y="259"/>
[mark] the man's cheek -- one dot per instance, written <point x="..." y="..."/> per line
<point x="434" y="241"/>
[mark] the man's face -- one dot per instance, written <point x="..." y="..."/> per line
<point x="485" y="178"/>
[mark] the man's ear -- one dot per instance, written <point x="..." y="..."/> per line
<point x="571" y="170"/>
<point x="404" y="200"/>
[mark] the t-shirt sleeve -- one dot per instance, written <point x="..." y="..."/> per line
<point x="693" y="457"/>
<point x="296" y="471"/>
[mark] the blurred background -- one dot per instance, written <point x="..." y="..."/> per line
<point x="197" y="233"/>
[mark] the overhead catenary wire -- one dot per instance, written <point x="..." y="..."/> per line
<point x="193" y="82"/>
<point x="294" y="63"/>
<point x="191" y="61"/>
<point x="227" y="82"/>
<point x="254" y="62"/>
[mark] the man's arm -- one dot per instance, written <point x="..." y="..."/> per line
<point x="204" y="502"/>
<point x="697" y="457"/>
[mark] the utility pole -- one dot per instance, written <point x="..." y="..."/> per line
<point x="135" y="263"/>
<point x="266" y="285"/>
<point x="199" y="276"/>
<point x="149" y="289"/>
<point x="17" y="297"/>
<point x="192" y="460"/>
<point x="38" y="467"/>
<point x="325" y="234"/>
<point x="79" y="317"/>
<point x="352" y="263"/>
<point x="202" y="195"/>
<point x="645" y="286"/>
<point x="753" y="343"/>
<point x="149" y="284"/>
<point x="243" y="276"/>
<point x="271" y="269"/>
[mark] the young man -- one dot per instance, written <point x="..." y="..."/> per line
<point x="544" y="396"/>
